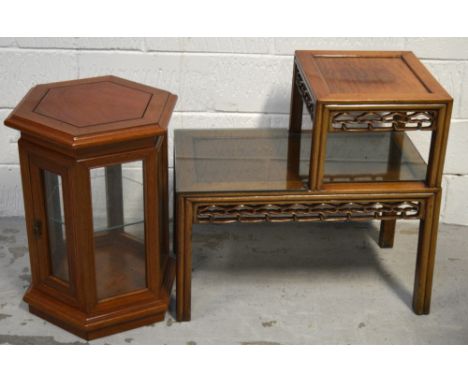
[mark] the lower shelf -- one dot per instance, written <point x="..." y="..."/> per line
<point x="120" y="264"/>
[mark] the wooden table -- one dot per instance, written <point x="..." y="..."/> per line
<point x="358" y="162"/>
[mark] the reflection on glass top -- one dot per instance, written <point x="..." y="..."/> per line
<point x="235" y="160"/>
<point x="223" y="160"/>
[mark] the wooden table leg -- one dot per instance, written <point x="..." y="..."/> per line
<point x="387" y="233"/>
<point x="296" y="107"/>
<point x="184" y="258"/>
<point x="426" y="255"/>
<point x="295" y="127"/>
<point x="387" y="227"/>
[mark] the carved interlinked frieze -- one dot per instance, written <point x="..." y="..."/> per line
<point x="307" y="211"/>
<point x="305" y="93"/>
<point x="384" y="120"/>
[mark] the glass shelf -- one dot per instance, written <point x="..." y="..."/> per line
<point x="232" y="160"/>
<point x="372" y="157"/>
<point x="211" y="160"/>
<point x="102" y="227"/>
<point x="131" y="183"/>
<point x="100" y="222"/>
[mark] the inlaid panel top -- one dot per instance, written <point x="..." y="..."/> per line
<point x="93" y="111"/>
<point x="366" y="76"/>
<point x="97" y="103"/>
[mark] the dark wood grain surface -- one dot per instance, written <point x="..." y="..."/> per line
<point x="95" y="280"/>
<point x="93" y="111"/>
<point x="368" y="76"/>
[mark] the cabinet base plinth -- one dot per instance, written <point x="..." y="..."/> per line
<point x="105" y="331"/>
<point x="95" y="325"/>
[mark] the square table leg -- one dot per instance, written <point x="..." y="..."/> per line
<point x="427" y="243"/>
<point x="296" y="107"/>
<point x="184" y="258"/>
<point x="387" y="233"/>
<point x="387" y="227"/>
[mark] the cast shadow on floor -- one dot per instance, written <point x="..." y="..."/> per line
<point x="313" y="247"/>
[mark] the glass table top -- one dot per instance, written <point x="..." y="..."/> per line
<point x="212" y="160"/>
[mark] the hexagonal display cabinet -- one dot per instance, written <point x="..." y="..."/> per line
<point x="93" y="155"/>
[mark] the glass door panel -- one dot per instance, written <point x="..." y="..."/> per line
<point x="119" y="228"/>
<point x="53" y="193"/>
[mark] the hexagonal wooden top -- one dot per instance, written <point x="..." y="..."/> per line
<point x="93" y="111"/>
<point x="368" y="76"/>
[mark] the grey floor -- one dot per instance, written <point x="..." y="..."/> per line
<point x="316" y="283"/>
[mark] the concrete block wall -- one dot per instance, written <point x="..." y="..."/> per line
<point x="221" y="82"/>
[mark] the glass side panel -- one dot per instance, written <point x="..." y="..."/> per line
<point x="119" y="228"/>
<point x="372" y="157"/>
<point x="55" y="225"/>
